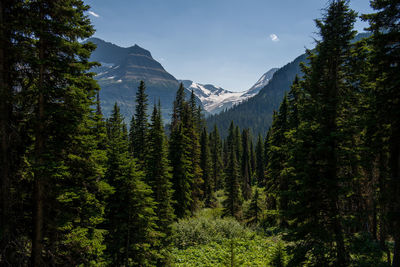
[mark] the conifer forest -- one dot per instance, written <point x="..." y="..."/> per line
<point x="321" y="187"/>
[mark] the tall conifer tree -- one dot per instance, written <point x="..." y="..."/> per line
<point x="141" y="124"/>
<point x="385" y="58"/>
<point x="180" y="156"/>
<point x="260" y="162"/>
<point x="233" y="203"/>
<point x="159" y="176"/>
<point x="319" y="185"/>
<point x="206" y="167"/>
<point x="216" y="158"/>
<point x="131" y="220"/>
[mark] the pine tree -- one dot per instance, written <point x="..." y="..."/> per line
<point x="191" y="123"/>
<point x="216" y="158"/>
<point x="252" y="160"/>
<point x="385" y="27"/>
<point x="232" y="204"/>
<point x="260" y="162"/>
<point x="131" y="220"/>
<point x="180" y="156"/>
<point x="141" y="124"/>
<point x="11" y="137"/>
<point x="58" y="92"/>
<point x="254" y="212"/>
<point x="246" y="166"/>
<point x="131" y="136"/>
<point x="206" y="167"/>
<point x="158" y="174"/>
<point x="319" y="186"/>
<point x="277" y="160"/>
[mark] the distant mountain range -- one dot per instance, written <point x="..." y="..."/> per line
<point x="122" y="69"/>
<point x="216" y="99"/>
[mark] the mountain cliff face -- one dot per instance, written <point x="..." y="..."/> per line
<point x="216" y="99"/>
<point x="121" y="71"/>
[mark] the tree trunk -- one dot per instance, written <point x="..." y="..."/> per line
<point x="38" y="222"/>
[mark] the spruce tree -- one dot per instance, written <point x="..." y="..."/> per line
<point x="233" y="203"/>
<point x="141" y="124"/>
<point x="254" y="212"/>
<point x="246" y="165"/>
<point x="180" y="156"/>
<point x="216" y="158"/>
<point x="131" y="136"/>
<point x="252" y="160"/>
<point x="159" y="176"/>
<point x="260" y="162"/>
<point x="59" y="93"/>
<point x="385" y="27"/>
<point x="12" y="29"/>
<point x="277" y="160"/>
<point x="319" y="187"/>
<point x="130" y="220"/>
<point x="206" y="167"/>
<point x="191" y="123"/>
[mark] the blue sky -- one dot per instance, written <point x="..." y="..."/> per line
<point x="228" y="43"/>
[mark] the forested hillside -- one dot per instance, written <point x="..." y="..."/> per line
<point x="257" y="112"/>
<point x="320" y="188"/>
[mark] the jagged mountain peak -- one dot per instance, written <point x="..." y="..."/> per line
<point x="261" y="83"/>
<point x="112" y="53"/>
<point x="216" y="99"/>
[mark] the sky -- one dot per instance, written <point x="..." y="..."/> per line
<point x="227" y="43"/>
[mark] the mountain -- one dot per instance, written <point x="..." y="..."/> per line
<point x="121" y="71"/>
<point x="213" y="98"/>
<point x="261" y="83"/>
<point x="256" y="112"/>
<point x="216" y="99"/>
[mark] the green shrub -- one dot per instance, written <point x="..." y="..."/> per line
<point x="203" y="230"/>
<point x="278" y="256"/>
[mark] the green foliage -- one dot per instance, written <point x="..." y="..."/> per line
<point x="158" y="175"/>
<point x="140" y="124"/>
<point x="201" y="230"/>
<point x="254" y="212"/>
<point x="131" y="220"/>
<point x="206" y="165"/>
<point x="232" y="204"/>
<point x="278" y="256"/>
<point x="216" y="158"/>
<point x="212" y="241"/>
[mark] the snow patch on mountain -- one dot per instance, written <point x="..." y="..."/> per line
<point x="216" y="99"/>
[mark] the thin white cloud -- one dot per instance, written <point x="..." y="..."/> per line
<point x="94" y="14"/>
<point x="274" y="37"/>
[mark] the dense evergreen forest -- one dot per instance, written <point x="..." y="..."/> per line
<point x="320" y="188"/>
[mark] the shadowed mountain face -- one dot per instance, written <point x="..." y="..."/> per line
<point x="121" y="72"/>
